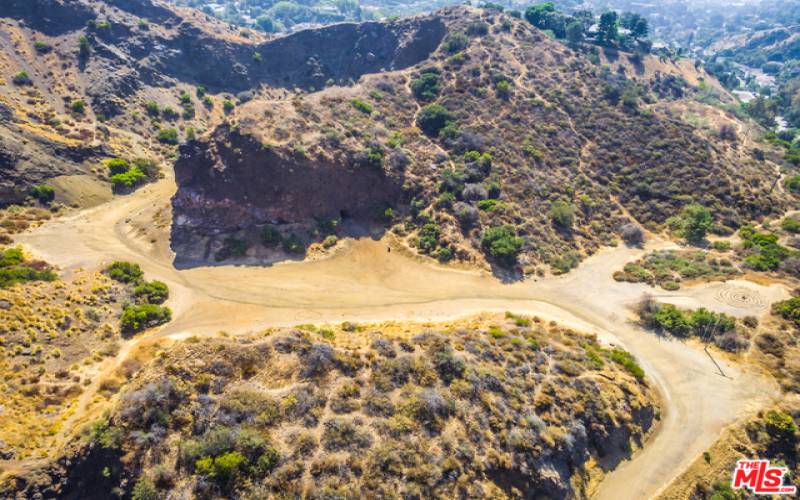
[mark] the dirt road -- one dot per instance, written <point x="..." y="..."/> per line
<point x="366" y="283"/>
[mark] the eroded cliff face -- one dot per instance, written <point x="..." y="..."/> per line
<point x="232" y="186"/>
<point x="308" y="59"/>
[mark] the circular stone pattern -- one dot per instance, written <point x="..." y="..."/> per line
<point x="740" y="297"/>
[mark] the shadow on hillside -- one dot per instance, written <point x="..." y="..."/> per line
<point x="247" y="248"/>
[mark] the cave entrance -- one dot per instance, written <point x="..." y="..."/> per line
<point x="344" y="214"/>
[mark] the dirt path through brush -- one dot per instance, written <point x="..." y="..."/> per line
<point x="366" y="283"/>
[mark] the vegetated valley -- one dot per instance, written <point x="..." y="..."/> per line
<point x="152" y="154"/>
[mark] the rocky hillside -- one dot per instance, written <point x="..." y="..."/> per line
<point x="467" y="132"/>
<point x="89" y="80"/>
<point x="501" y="145"/>
<point x="495" y="407"/>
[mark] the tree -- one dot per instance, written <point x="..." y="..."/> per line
<point x="640" y="28"/>
<point x="545" y="17"/>
<point x="502" y="244"/>
<point x="585" y="17"/>
<point x="124" y="272"/>
<point x="433" y="118"/>
<point x="265" y="23"/>
<point x="426" y="87"/>
<point x="139" y="317"/>
<point x="608" y="30"/>
<point x="575" y="33"/>
<point x="696" y="220"/>
<point x="538" y="14"/>
<point x="153" y="292"/>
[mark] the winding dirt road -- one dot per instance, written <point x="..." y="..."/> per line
<point x="366" y="283"/>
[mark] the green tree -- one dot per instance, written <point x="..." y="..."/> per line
<point x="142" y="316"/>
<point x="696" y="220"/>
<point x="265" y="23"/>
<point x="426" y="87"/>
<point x="545" y="17"/>
<point x="575" y="33"/>
<point x="608" y="29"/>
<point x="502" y="244"/>
<point x="152" y="292"/>
<point x="433" y="118"/>
<point x="124" y="272"/>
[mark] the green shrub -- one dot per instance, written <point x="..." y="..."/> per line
<point x="693" y="223"/>
<point x="780" y="426"/>
<point x="169" y="114"/>
<point x="501" y="244"/>
<point x="45" y="194"/>
<point x="128" y="180"/>
<point x="124" y="272"/>
<point x="223" y="469"/>
<point x="145" y="490"/>
<point x="721" y="246"/>
<point x="456" y="42"/>
<point x="151" y="292"/>
<point x="563" y="214"/>
<point x="149" y="167"/>
<point x="627" y="361"/>
<point x="765" y="254"/>
<point x="267" y="461"/>
<point x="429" y="238"/>
<point x="78" y="106"/>
<point x="362" y="106"/>
<point x="14" y="269"/>
<point x="790" y="225"/>
<point x="168" y="136"/>
<point x="101" y="433"/>
<point x="671" y="319"/>
<point x="84" y="47"/>
<point x="117" y="166"/>
<point x="139" y="317"/>
<point x="372" y="156"/>
<point x="700" y="322"/>
<point x="426" y="87"/>
<point x="433" y="118"/>
<point x="42" y="47"/>
<point x="788" y="309"/>
<point x="503" y="89"/>
<point x="227" y="105"/>
<point x="793" y="184"/>
<point x="152" y="108"/>
<point x="22" y="78"/>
